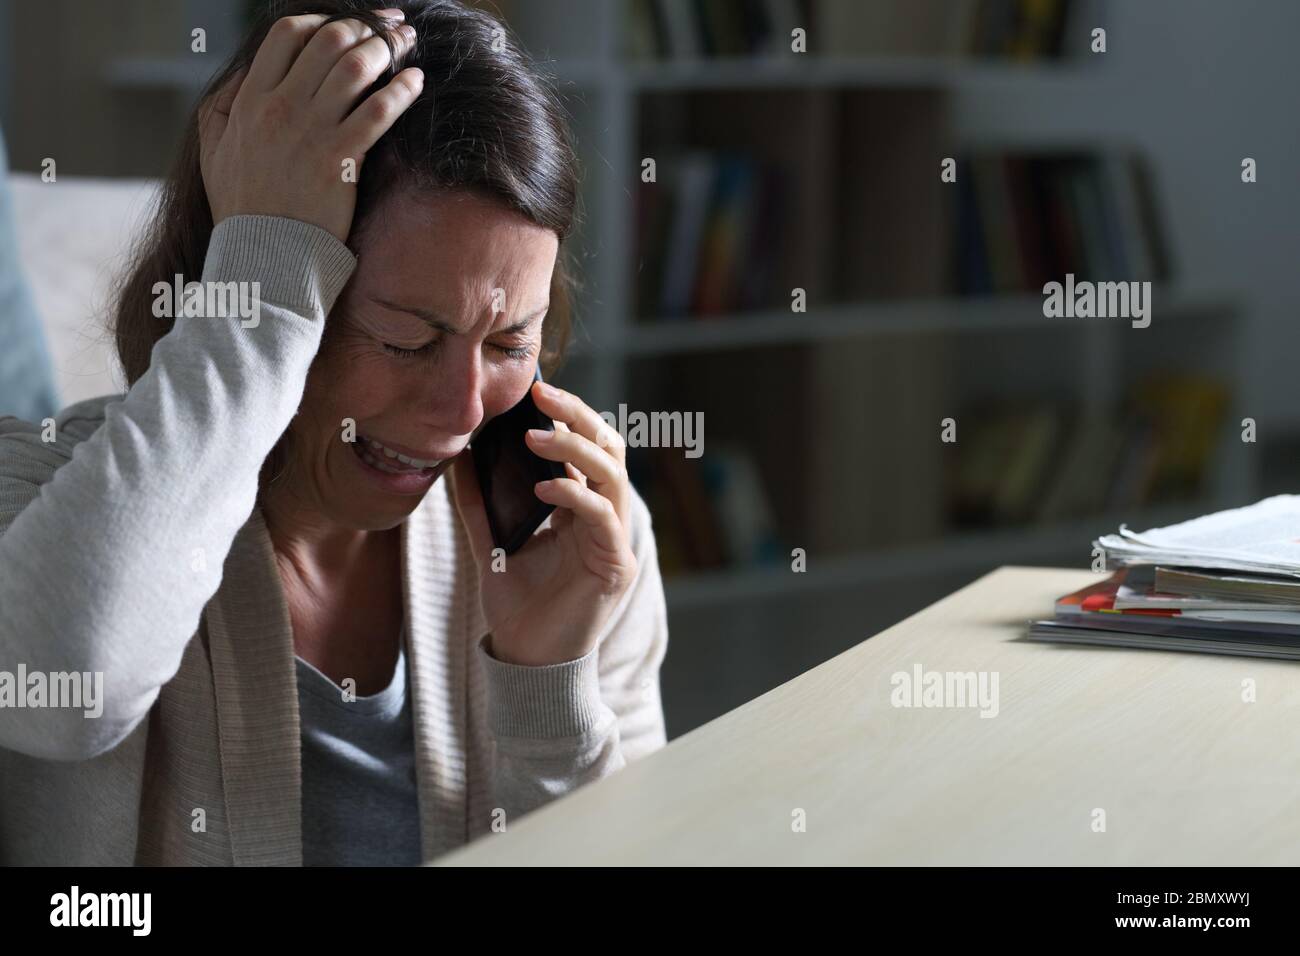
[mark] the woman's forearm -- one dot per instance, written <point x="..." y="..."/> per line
<point x="106" y="566"/>
<point x="561" y="726"/>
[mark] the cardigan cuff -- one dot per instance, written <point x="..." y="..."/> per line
<point x="548" y="701"/>
<point x="296" y="264"/>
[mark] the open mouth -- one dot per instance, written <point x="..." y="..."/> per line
<point x="379" y="456"/>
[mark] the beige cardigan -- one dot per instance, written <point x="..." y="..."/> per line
<point x="221" y="742"/>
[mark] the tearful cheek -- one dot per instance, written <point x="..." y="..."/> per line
<point x="506" y="390"/>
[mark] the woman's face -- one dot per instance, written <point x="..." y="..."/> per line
<point x="438" y="331"/>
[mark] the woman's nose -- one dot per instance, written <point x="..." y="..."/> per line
<point x="458" y="402"/>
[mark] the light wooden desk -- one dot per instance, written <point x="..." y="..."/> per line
<point x="1186" y="772"/>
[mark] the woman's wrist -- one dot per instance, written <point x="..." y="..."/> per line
<point x="523" y="653"/>
<point x="295" y="264"/>
<point x="543" y="701"/>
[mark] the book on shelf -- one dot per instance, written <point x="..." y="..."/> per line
<point x="1045" y="461"/>
<point x="695" y="29"/>
<point x="1005" y="454"/>
<point x="1185" y="412"/>
<point x="726" y="227"/>
<point x="712" y="229"/>
<point x="707" y="235"/>
<point x="741" y="505"/>
<point x="1223" y="583"/>
<point x="710" y="513"/>
<point x="1018" y="30"/>
<point x="1023" y="220"/>
<point x="693" y="177"/>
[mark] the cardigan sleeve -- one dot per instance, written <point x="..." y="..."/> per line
<point x="559" y="726"/>
<point x="114" y="532"/>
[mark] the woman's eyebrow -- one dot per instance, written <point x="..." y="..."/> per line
<point x="438" y="322"/>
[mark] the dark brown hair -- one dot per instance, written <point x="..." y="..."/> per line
<point x="486" y="121"/>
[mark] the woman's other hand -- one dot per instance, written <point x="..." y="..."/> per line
<point x="547" y="606"/>
<point x="277" y="139"/>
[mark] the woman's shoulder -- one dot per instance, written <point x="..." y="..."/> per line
<point x="46" y="444"/>
<point x="74" y="418"/>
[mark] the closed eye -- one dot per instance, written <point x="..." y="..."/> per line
<point x="514" y="352"/>
<point x="407" y="353"/>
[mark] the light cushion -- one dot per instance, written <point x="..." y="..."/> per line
<point x="27" y="387"/>
<point x="74" y="235"/>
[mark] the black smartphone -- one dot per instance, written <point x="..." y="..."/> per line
<point x="507" y="471"/>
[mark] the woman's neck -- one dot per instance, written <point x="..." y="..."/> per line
<point x="343" y="590"/>
<point x="313" y="545"/>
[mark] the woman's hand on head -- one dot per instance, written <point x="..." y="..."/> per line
<point x="548" y="604"/>
<point x="277" y="139"/>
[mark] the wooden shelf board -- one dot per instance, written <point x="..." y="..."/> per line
<point x="953" y="554"/>
<point x="950" y="315"/>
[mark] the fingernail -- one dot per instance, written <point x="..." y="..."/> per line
<point x="539" y="434"/>
<point x="548" y="389"/>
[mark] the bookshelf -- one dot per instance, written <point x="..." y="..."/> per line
<point x="808" y="110"/>
<point x="920" y="316"/>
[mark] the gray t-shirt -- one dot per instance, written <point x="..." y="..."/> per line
<point x="359" y="802"/>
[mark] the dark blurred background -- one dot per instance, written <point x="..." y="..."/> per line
<point x="821" y="171"/>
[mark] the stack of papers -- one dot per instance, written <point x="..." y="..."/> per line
<point x="1226" y="583"/>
